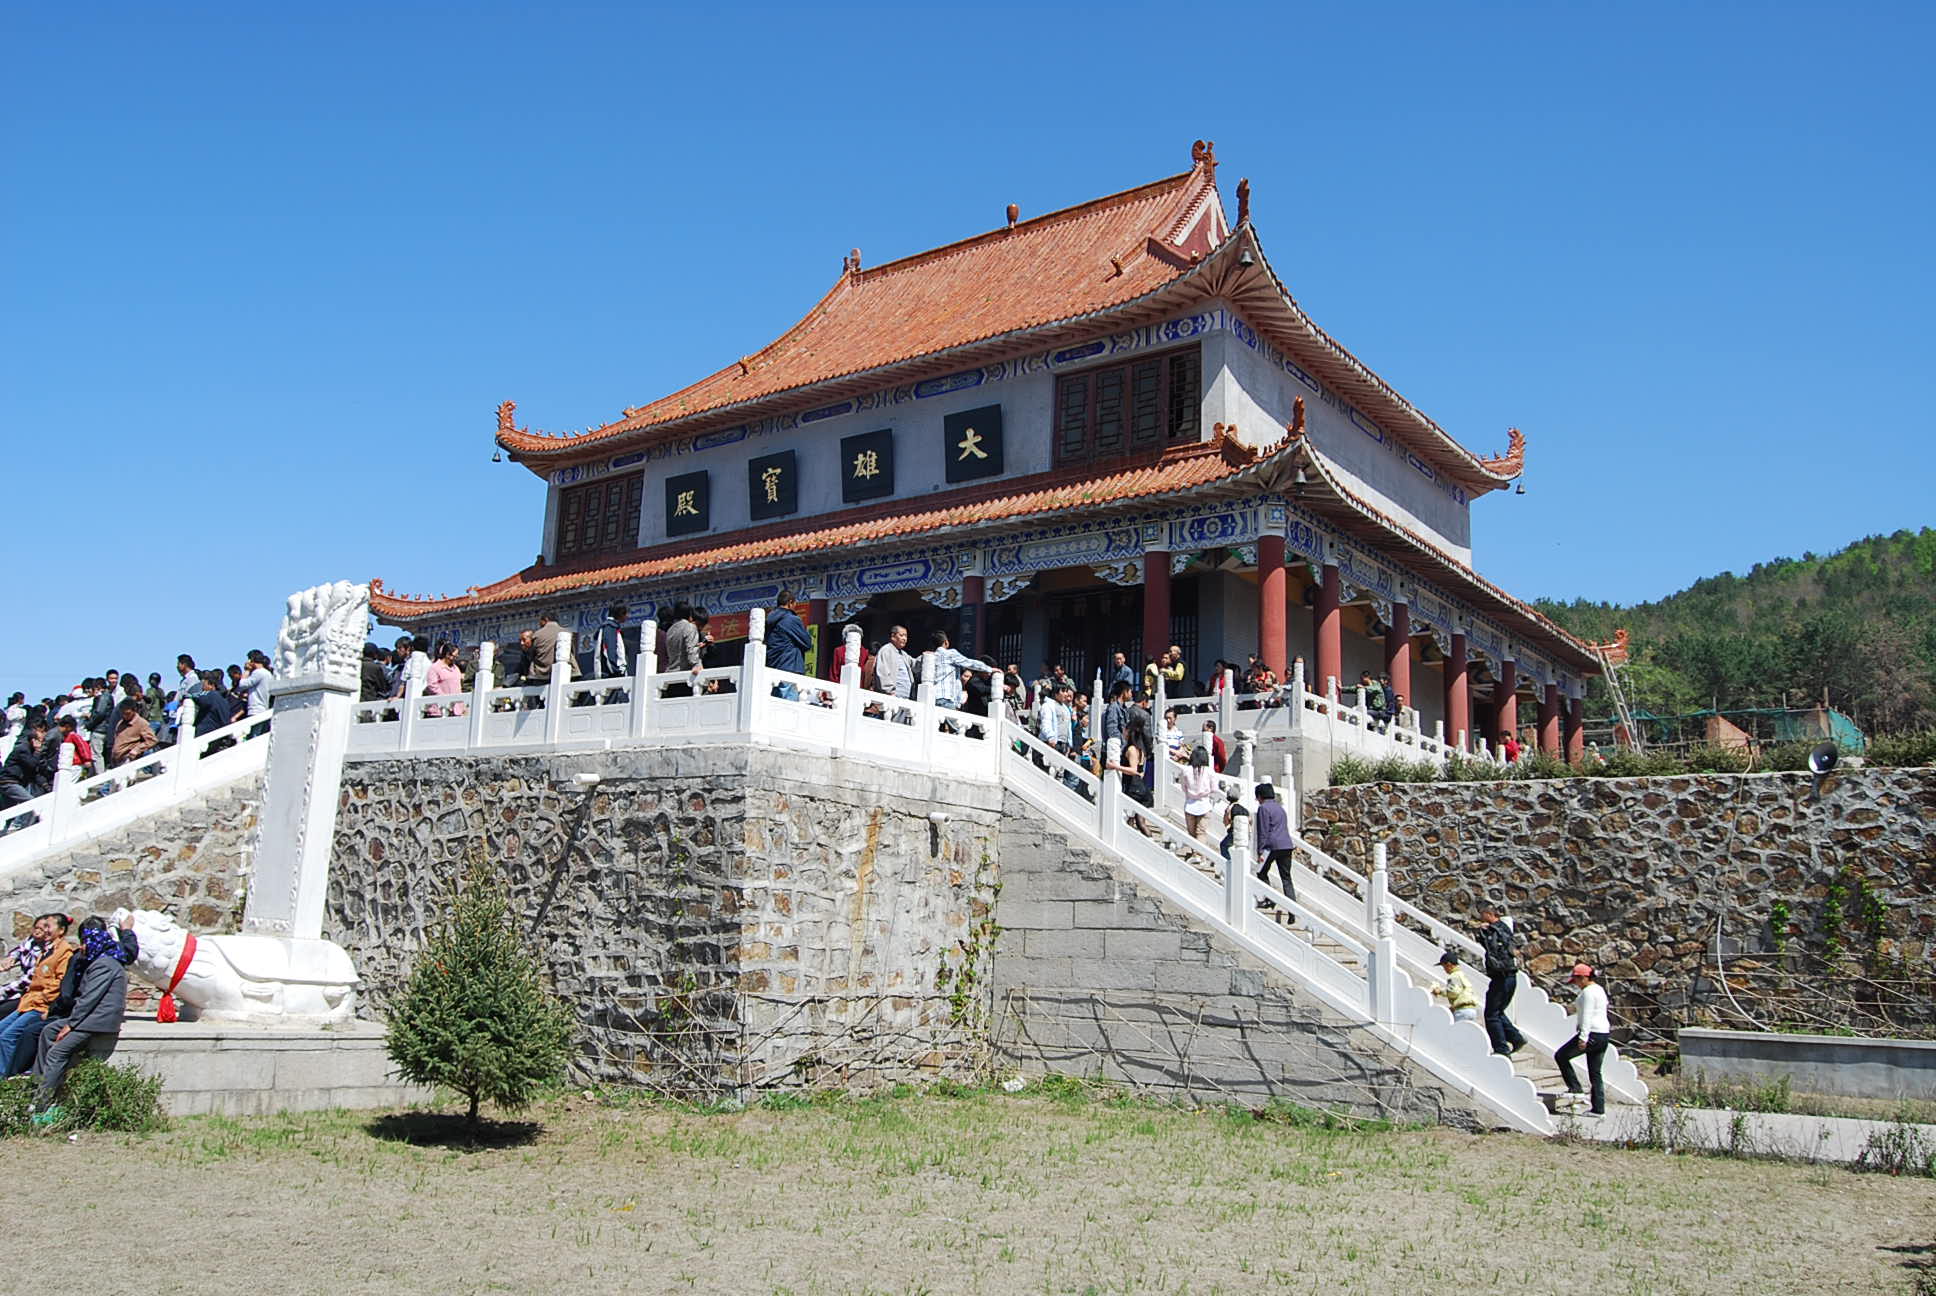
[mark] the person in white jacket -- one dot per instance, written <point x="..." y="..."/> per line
<point x="1591" y="1028"/>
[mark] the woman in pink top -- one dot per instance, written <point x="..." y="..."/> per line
<point x="445" y="677"/>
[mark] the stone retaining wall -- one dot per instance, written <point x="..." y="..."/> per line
<point x="191" y="859"/>
<point x="717" y="916"/>
<point x="1634" y="874"/>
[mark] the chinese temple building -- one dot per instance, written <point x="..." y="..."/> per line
<point x="1106" y="428"/>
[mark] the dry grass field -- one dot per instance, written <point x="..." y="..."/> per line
<point x="972" y="1193"/>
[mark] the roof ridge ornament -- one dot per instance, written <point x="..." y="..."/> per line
<point x="1511" y="463"/>
<point x="1203" y="153"/>
<point x="1243" y="201"/>
<point x="1014" y="214"/>
<point x="1297" y="417"/>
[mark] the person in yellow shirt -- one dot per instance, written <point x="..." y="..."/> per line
<point x="1457" y="991"/>
<point x="20" y="1033"/>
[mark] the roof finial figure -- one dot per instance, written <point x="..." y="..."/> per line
<point x="506" y="414"/>
<point x="1297" y="417"/>
<point x="1203" y="154"/>
<point x="1243" y="201"/>
<point x="1014" y="214"/>
<point x="1511" y="463"/>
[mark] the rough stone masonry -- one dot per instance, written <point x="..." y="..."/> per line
<point x="1640" y="875"/>
<point x="718" y="917"/>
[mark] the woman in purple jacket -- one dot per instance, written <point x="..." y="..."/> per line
<point x="1274" y="845"/>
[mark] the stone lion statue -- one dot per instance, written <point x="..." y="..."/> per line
<point x="259" y="980"/>
<point x="322" y="632"/>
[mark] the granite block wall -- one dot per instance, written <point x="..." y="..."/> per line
<point x="718" y="917"/>
<point x="1640" y="876"/>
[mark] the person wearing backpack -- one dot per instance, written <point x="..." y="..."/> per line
<point x="1502" y="978"/>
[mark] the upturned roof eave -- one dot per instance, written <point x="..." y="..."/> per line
<point x="1301" y="336"/>
<point x="1326" y="488"/>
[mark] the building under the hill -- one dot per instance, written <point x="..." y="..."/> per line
<point x="1109" y="427"/>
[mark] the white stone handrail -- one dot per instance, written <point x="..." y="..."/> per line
<point x="1339" y="892"/>
<point x="80" y="809"/>
<point x="1384" y="997"/>
<point x="1345" y="727"/>
<point x="747" y="702"/>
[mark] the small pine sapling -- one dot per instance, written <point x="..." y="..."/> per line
<point x="475" y="1015"/>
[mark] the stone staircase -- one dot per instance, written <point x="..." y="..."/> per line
<point x="1367" y="953"/>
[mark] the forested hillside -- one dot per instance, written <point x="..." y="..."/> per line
<point x="1859" y="624"/>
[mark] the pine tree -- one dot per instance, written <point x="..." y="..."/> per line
<point x="474" y="1015"/>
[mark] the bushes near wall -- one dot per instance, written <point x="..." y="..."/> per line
<point x="1912" y="749"/>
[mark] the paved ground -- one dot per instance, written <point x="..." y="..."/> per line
<point x="982" y="1193"/>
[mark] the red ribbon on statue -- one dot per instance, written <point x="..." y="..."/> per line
<point x="165" y="1011"/>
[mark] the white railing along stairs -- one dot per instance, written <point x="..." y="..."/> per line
<point x="80" y="809"/>
<point x="1350" y="962"/>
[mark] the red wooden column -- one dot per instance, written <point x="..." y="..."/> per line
<point x="975" y="608"/>
<point x="1549" y="720"/>
<point x="1506" y="719"/>
<point x="826" y="639"/>
<point x="1575" y="709"/>
<point x="1398" y="652"/>
<point x="1330" y="634"/>
<point x="1458" y="695"/>
<point x="1156" y="605"/>
<point x="1270" y="602"/>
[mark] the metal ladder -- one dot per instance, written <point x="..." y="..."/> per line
<point x="1612" y="657"/>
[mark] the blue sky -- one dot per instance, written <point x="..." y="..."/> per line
<point x="269" y="268"/>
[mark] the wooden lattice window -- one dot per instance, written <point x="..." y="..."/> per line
<point x="1124" y="409"/>
<point x="601" y="516"/>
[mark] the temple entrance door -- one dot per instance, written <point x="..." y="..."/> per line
<point x="1087" y="627"/>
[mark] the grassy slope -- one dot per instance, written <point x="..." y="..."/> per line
<point x="979" y="1192"/>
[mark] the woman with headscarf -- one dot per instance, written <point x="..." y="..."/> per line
<point x="87" y="1016"/>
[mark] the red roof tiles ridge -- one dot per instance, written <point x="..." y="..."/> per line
<point x="1193" y="189"/>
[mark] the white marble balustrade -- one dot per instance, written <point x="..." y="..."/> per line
<point x="82" y="807"/>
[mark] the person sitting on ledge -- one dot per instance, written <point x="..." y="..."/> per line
<point x="20" y="1033"/>
<point x="95" y="995"/>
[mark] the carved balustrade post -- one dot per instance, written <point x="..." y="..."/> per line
<point x="644" y="666"/>
<point x="555" y="690"/>
<point x="752" y="673"/>
<point x="481" y="685"/>
<point x="852" y="701"/>
<point x="181" y="763"/>
<point x="1236" y="874"/>
<point x="1381" y="970"/>
<point x="317" y="667"/>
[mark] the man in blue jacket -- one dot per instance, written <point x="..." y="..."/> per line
<point x="787" y="643"/>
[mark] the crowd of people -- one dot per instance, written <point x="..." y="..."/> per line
<point x="63" y="999"/>
<point x="111" y="719"/>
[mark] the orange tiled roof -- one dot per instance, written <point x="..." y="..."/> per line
<point x="1198" y="464"/>
<point x="1056" y="267"/>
